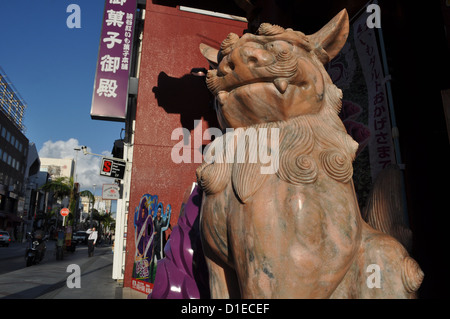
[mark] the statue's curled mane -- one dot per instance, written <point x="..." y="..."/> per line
<point x="307" y="144"/>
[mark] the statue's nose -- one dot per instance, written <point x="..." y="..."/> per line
<point x="255" y="57"/>
<point x="246" y="57"/>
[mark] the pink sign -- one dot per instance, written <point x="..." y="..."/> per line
<point x="110" y="96"/>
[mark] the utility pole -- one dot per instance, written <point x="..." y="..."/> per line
<point x="77" y="149"/>
<point x="92" y="209"/>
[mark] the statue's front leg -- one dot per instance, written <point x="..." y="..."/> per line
<point x="222" y="280"/>
<point x="217" y="282"/>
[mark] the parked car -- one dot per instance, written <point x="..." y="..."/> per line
<point x="80" y="237"/>
<point x="5" y="239"/>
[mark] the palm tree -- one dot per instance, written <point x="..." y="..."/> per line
<point x="88" y="194"/>
<point x="107" y="221"/>
<point x="60" y="188"/>
<point x="104" y="221"/>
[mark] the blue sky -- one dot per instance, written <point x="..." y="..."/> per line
<point x="53" y="68"/>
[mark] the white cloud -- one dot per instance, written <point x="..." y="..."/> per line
<point x="87" y="168"/>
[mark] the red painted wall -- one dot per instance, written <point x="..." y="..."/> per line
<point x="169" y="97"/>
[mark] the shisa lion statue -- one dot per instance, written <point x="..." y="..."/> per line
<point x="296" y="232"/>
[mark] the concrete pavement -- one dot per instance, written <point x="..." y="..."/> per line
<point x="48" y="280"/>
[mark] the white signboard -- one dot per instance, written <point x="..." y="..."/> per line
<point x="111" y="191"/>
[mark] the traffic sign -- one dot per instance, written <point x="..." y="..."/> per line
<point x="112" y="168"/>
<point x="64" y="212"/>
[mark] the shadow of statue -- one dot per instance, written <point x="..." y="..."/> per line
<point x="187" y="96"/>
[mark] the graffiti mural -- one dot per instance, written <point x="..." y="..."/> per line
<point x="150" y="223"/>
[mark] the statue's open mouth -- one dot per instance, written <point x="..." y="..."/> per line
<point x="278" y="73"/>
<point x="280" y="84"/>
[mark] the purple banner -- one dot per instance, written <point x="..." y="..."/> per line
<point x="381" y="147"/>
<point x="110" y="96"/>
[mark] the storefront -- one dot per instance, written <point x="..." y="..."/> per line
<point x="174" y="109"/>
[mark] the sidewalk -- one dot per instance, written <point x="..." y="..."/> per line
<point x="48" y="280"/>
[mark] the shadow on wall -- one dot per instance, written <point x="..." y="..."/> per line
<point x="187" y="96"/>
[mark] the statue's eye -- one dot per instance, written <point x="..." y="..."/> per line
<point x="255" y="45"/>
<point x="278" y="46"/>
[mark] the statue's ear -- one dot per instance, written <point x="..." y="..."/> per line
<point x="210" y="54"/>
<point x="329" y="40"/>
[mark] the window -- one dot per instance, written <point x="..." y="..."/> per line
<point x="5" y="156"/>
<point x="8" y="136"/>
<point x="13" y="140"/>
<point x="3" y="131"/>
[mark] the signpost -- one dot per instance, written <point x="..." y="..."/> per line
<point x="112" y="168"/>
<point x="64" y="212"/>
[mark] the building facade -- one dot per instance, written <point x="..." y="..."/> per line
<point x="13" y="156"/>
<point x="170" y="97"/>
<point x="58" y="167"/>
<point x="35" y="198"/>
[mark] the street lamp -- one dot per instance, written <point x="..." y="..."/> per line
<point x="76" y="162"/>
<point x="85" y="151"/>
<point x="77" y="149"/>
<point x="92" y="209"/>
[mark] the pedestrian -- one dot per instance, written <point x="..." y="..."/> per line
<point x="92" y="239"/>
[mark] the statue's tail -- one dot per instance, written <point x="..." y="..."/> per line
<point x="384" y="209"/>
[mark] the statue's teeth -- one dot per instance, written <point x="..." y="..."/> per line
<point x="212" y="81"/>
<point x="281" y="85"/>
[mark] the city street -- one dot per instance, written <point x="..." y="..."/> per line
<point x="48" y="280"/>
<point x="12" y="257"/>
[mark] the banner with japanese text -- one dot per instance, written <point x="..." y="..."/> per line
<point x="358" y="72"/>
<point x="381" y="148"/>
<point x="110" y="96"/>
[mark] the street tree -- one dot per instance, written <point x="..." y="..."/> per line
<point x="60" y="188"/>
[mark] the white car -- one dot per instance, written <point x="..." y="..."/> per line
<point x="5" y="239"/>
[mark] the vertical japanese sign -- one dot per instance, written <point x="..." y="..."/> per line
<point x="110" y="96"/>
<point x="381" y="148"/>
